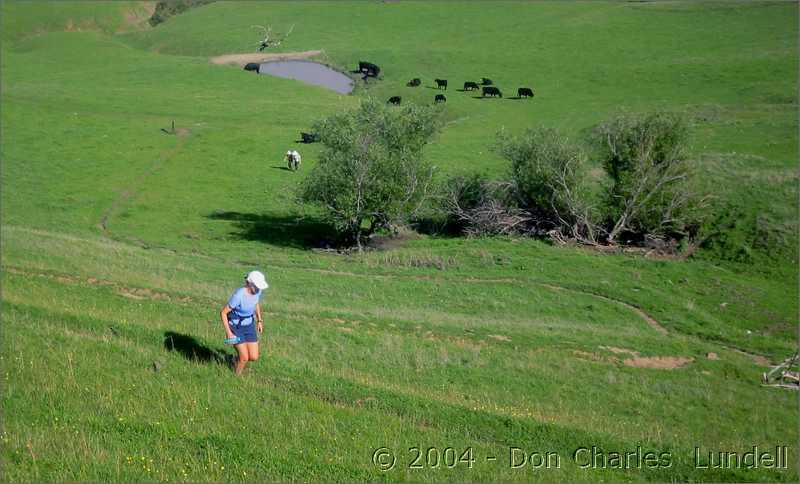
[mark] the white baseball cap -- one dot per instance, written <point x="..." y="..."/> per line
<point x="257" y="279"/>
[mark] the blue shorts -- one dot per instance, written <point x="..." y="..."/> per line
<point x="247" y="333"/>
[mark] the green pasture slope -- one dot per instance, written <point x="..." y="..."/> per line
<point x="120" y="243"/>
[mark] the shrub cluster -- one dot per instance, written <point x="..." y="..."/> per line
<point x="548" y="191"/>
<point x="371" y="175"/>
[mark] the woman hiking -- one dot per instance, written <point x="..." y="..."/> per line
<point x="241" y="319"/>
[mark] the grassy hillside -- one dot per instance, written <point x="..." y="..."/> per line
<point x="28" y="18"/>
<point x="120" y="243"/>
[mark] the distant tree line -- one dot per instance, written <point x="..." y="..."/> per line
<point x="168" y="8"/>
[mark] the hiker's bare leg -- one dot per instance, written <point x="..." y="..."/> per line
<point x="244" y="356"/>
<point x="252" y="351"/>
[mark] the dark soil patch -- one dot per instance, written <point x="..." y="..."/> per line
<point x="388" y="242"/>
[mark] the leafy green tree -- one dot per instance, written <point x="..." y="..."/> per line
<point x="646" y="158"/>
<point x="549" y="176"/>
<point x="371" y="172"/>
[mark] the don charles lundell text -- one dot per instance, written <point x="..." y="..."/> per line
<point x="754" y="458"/>
<point x="595" y="458"/>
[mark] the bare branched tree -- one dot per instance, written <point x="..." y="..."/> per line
<point x="270" y="39"/>
<point x="646" y="160"/>
<point x="575" y="216"/>
<point x="482" y="207"/>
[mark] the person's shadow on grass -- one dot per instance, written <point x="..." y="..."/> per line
<point x="191" y="349"/>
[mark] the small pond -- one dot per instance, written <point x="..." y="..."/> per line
<point x="309" y="72"/>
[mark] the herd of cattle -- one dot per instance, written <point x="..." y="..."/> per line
<point x="486" y="86"/>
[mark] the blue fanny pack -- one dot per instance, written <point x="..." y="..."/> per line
<point x="240" y="320"/>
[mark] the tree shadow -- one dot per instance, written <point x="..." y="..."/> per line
<point x="285" y="231"/>
<point x="438" y="227"/>
<point x="191" y="349"/>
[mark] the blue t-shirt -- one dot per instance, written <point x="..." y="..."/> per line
<point x="243" y="305"/>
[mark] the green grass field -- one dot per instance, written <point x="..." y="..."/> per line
<point x="120" y="244"/>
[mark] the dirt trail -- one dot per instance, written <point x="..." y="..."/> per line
<point x="242" y="59"/>
<point x="636" y="360"/>
<point x="125" y="291"/>
<point x="470" y="280"/>
<point x="658" y="362"/>
<point x="131" y="190"/>
<point x="648" y="319"/>
<point x="757" y="359"/>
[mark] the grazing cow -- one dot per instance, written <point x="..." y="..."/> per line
<point x="469" y="85"/>
<point x="440" y="98"/>
<point x="486" y="82"/>
<point x="414" y="82"/>
<point x="293" y="160"/>
<point x="440" y="83"/>
<point x="524" y="92"/>
<point x="368" y="69"/>
<point x="394" y="100"/>
<point x="491" y="91"/>
<point x="251" y="66"/>
<point x="309" y="137"/>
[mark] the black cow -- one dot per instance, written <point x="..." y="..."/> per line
<point x="486" y="82"/>
<point x="440" y="98"/>
<point x="309" y="137"/>
<point x="251" y="66"/>
<point x="440" y="83"/>
<point x="414" y="82"/>
<point x="368" y="69"/>
<point x="524" y="92"/>
<point x="394" y="100"/>
<point x="491" y="91"/>
<point x="469" y="85"/>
